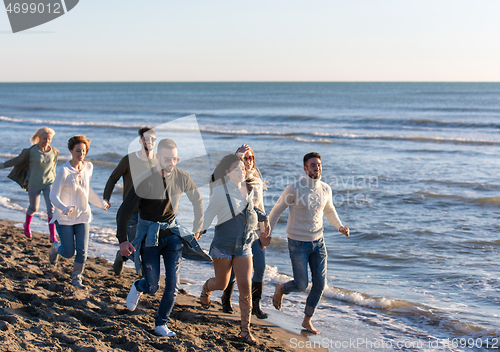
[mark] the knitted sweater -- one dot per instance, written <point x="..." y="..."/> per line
<point x="308" y="199"/>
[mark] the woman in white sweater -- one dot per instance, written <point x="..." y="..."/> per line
<point x="70" y="195"/>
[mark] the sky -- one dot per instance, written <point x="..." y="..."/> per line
<point x="259" y="40"/>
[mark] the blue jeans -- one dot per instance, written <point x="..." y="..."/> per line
<point x="74" y="238"/>
<point x="170" y="248"/>
<point x="301" y="254"/>
<point x="259" y="263"/>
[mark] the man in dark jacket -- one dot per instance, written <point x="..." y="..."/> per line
<point x="157" y="193"/>
<point x="129" y="168"/>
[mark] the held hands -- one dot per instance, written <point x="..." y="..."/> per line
<point x="197" y="235"/>
<point x="344" y="230"/>
<point x="264" y="242"/>
<point x="126" y="248"/>
<point x="108" y="204"/>
<point x="265" y="236"/>
<point x="267" y="230"/>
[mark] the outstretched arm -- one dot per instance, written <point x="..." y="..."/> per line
<point x="123" y="215"/>
<point x="23" y="157"/>
<point x="286" y="199"/>
<point x="196" y="200"/>
<point x="332" y="216"/>
<point x="96" y="200"/>
<point x="216" y="201"/>
<point x="120" y="170"/>
<point x="263" y="219"/>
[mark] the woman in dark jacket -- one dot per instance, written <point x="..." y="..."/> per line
<point x="35" y="171"/>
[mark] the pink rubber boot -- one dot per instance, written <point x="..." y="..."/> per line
<point x="26" y="225"/>
<point x="52" y="230"/>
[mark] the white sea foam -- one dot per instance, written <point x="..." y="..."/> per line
<point x="242" y="132"/>
<point x="399" y="308"/>
<point x="7" y="155"/>
<point x="176" y="125"/>
<point x="297" y="136"/>
<point x="103" y="234"/>
<point x="68" y="123"/>
<point x="5" y="202"/>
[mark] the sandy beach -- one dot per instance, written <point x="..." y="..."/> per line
<point x="41" y="311"/>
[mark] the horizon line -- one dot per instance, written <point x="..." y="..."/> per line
<point x="354" y="81"/>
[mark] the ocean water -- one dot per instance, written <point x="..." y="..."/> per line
<point x="414" y="169"/>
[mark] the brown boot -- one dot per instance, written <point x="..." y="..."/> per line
<point x="205" y="295"/>
<point x="76" y="276"/>
<point x="246" y="314"/>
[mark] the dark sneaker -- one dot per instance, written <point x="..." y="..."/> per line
<point x="118" y="264"/>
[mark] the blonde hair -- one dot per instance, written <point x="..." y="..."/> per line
<point x="255" y="172"/>
<point x="39" y="132"/>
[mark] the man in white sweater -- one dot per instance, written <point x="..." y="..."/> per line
<point x="308" y="198"/>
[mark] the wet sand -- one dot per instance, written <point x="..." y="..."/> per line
<point x="41" y="311"/>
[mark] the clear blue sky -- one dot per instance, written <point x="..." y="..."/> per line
<point x="271" y="40"/>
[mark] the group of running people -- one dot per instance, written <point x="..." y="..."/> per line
<point x="147" y="227"/>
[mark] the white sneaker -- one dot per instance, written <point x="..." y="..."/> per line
<point x="162" y="330"/>
<point x="54" y="252"/>
<point x="133" y="297"/>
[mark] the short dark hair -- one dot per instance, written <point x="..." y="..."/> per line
<point x="167" y="143"/>
<point x="310" y="156"/>
<point x="145" y="129"/>
<point x="77" y="140"/>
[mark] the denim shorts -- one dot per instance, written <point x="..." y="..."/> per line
<point x="217" y="253"/>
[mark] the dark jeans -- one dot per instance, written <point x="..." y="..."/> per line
<point x="132" y="226"/>
<point x="170" y="248"/>
<point x="302" y="254"/>
<point x="131" y="230"/>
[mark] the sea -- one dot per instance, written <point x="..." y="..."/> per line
<point x="414" y="170"/>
